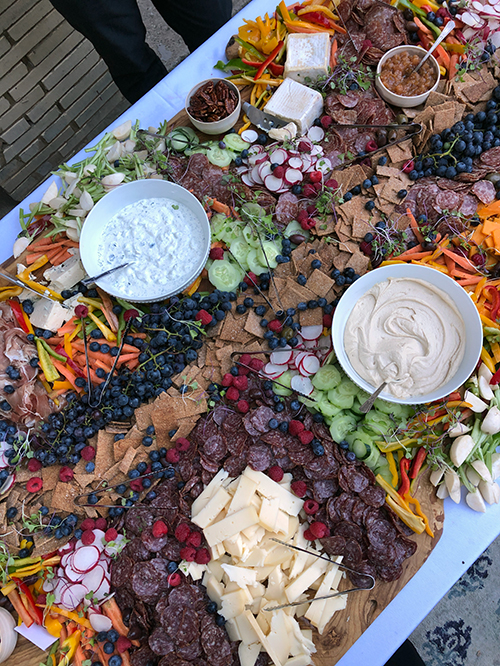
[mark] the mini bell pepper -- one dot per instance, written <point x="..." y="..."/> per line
<point x="72" y="615"/>
<point x="276" y="70"/>
<point x="25" y="275"/>
<point x="53" y="626"/>
<point x="418" y="462"/>
<point x="65" y="358"/>
<point x="107" y="332"/>
<point x="9" y="292"/>
<point x="392" y="468"/>
<point x="18" y="312"/>
<point x="418" y="510"/>
<point x="46" y="364"/>
<point x="41" y="289"/>
<point x="31" y="606"/>
<point x="69" y="647"/>
<point x="317" y="18"/>
<point x="404" y="487"/>
<point x="487" y="360"/>
<point x="317" y="8"/>
<point x="19" y="607"/>
<point x="495" y="301"/>
<point x="268" y="61"/>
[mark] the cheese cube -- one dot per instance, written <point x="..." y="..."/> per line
<point x="269" y="488"/>
<point x="215" y="568"/>
<point x="192" y="569"/>
<point x="215" y="590"/>
<point x="233" y="604"/>
<point x="248" y="653"/>
<point x="275" y="584"/>
<point x="244" y="494"/>
<point x="254" y="557"/>
<point x="234" y="546"/>
<point x="212" y="508"/>
<point x="307" y="645"/>
<point x="257" y="590"/>
<point x="49" y="315"/>
<point x="305" y="579"/>
<point x="307" y="56"/>
<point x="208" y="492"/>
<point x="230" y="526"/>
<point x="66" y="275"/>
<point x="294" y="102"/>
<point x="240" y="575"/>
<point x="268" y="515"/>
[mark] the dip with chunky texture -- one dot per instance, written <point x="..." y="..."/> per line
<point x="161" y="237"/>
<point x="408" y="333"/>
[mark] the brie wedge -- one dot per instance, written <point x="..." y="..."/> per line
<point x="294" y="102"/>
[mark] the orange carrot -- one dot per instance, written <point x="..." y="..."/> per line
<point x="31" y="258"/>
<point x="68" y="327"/>
<point x="56" y="340"/>
<point x="127" y="357"/>
<point x="132" y="365"/>
<point x="412" y="250"/>
<point x="139" y="335"/>
<point x="107" y="308"/>
<point x="452" y="69"/>
<point x="125" y="658"/>
<point x="414" y="225"/>
<point x="130" y="349"/>
<point x="469" y="281"/>
<point x="95" y="356"/>
<point x="79" y="657"/>
<point x="102" y="365"/>
<point x="422" y="26"/>
<point x="40" y="242"/>
<point x="110" y="609"/>
<point x="449" y="263"/>
<point x="93" y="377"/>
<point x="220" y="207"/>
<point x="66" y="372"/>
<point x="461" y="261"/>
<point x="47" y="245"/>
<point x="333" y="51"/>
<point x="60" y="257"/>
<point x="416" y="256"/>
<point x="444" y="56"/>
<point x="16" y="601"/>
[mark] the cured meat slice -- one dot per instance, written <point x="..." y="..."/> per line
<point x="349" y="100"/>
<point x="380" y="533"/>
<point x="344" y="506"/>
<point x="373" y="496"/>
<point x="484" y="191"/>
<point x="491" y="158"/>
<point x="384" y="27"/>
<point x="160" y="642"/>
<point x="138" y="519"/>
<point x="121" y="571"/>
<point x="215" y="448"/>
<point x="322" y="467"/>
<point x="323" y="489"/>
<point x="352" y="553"/>
<point x="334" y="545"/>
<point x="300" y="454"/>
<point x="215" y="645"/>
<point x="469" y="206"/>
<point x="352" y="479"/>
<point x="357" y="579"/>
<point x="152" y="543"/>
<point x="448" y="200"/>
<point x="260" y="457"/>
<point x="348" y="530"/>
<point x="286" y="208"/>
<point x="149" y="579"/>
<point x="191" y="651"/>
<point x="144" y="656"/>
<point x="235" y="465"/>
<point x="260" y="418"/>
<point x="172" y="550"/>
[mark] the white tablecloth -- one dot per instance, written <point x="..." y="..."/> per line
<point x="466" y="533"/>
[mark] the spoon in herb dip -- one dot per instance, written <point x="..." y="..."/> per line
<point x="90" y="280"/>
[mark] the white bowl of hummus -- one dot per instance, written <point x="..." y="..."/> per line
<point x="160" y="229"/>
<point x="411" y="326"/>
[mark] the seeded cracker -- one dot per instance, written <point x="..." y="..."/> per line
<point x="104" y="458"/>
<point x="63" y="496"/>
<point x="50" y="476"/>
<point x="319" y="283"/>
<point x="360" y="228"/>
<point x="143" y="416"/>
<point x="128" y="458"/>
<point x="252" y="325"/>
<point x="311" y="317"/>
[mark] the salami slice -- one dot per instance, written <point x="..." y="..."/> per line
<point x="334" y="545"/>
<point x="358" y="512"/>
<point x="188" y="629"/>
<point x="152" y="543"/>
<point x="286" y="208"/>
<point x="209" y="464"/>
<point x="136" y="550"/>
<point x="323" y="489"/>
<point x="149" y="579"/>
<point x="389" y="572"/>
<point x="447" y="200"/>
<point x="344" y="506"/>
<point x="216" y="645"/>
<point x="260" y="457"/>
<point x="260" y="418"/>
<point x="235" y="465"/>
<point x="215" y="448"/>
<point x="380" y="533"/>
<point x="349" y="100"/>
<point x="191" y="651"/>
<point x="484" y="191"/>
<point x="160" y="642"/>
<point x="373" y="496"/>
<point x="491" y="158"/>
<point x="348" y="530"/>
<point x="144" y="656"/>
<point x="352" y="553"/>
<point x="322" y="467"/>
<point x="183" y="596"/>
<point x="469" y="206"/>
<point x="121" y="571"/>
<point x="300" y="454"/>
<point x="138" y="519"/>
<point x="358" y="580"/>
<point x="381" y="28"/>
<point x="172" y="550"/>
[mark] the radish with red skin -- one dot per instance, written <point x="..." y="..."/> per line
<point x="256" y="176"/>
<point x="273" y="184"/>
<point x="295" y="163"/>
<point x="302" y="385"/>
<point x="99" y="621"/>
<point x="311" y="332"/>
<point x="278" y="156"/>
<point x="274" y="371"/>
<point x="85" y="558"/>
<point x="281" y="356"/>
<point x="247" y="180"/>
<point x="293" y="176"/>
<point x="265" y="170"/>
<point x="315" y="133"/>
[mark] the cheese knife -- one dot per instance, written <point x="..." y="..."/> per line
<point x="261" y="119"/>
<point x="19" y="283"/>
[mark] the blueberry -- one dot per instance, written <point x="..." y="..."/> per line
<point x="113" y="635"/>
<point x="340" y="280"/>
<point x="367" y="184"/>
<point x="44" y="510"/>
<point x="27" y="306"/>
<point x="11" y="513"/>
<point x="90" y="467"/>
<point x="316" y="263"/>
<point x="302" y="306"/>
<point x="260" y="310"/>
<point x="262" y="139"/>
<point x="147" y="440"/>
<point x="401" y="194"/>
<point x="248" y="302"/>
<point x="301" y="279"/>
<point x="283" y="426"/>
<point x="350" y="456"/>
<point x="102" y="636"/>
<point x="240" y="309"/>
<point x="133" y="474"/>
<point x="374" y="180"/>
<point x="356" y="190"/>
<point x="115" y="660"/>
<point x="9" y="389"/>
<point x="219" y="619"/>
<point x="344" y="445"/>
<point x="347" y="196"/>
<point x="142" y="467"/>
<point x="297" y="189"/>
<point x="382" y="161"/>
<point x="295" y="405"/>
<point x="318" y="449"/>
<point x="78" y="534"/>
<point x="369" y="205"/>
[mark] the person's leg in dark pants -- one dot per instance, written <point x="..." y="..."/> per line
<point x="406" y="655"/>
<point x="195" y="20"/>
<point x="117" y="32"/>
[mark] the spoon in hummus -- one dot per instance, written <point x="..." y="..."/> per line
<point x="368" y="404"/>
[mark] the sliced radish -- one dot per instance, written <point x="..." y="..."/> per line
<point x="99" y="621"/>
<point x="249" y="135"/>
<point x="72" y="575"/>
<point x="310" y="365"/>
<point x="273" y="184"/>
<point x="103" y="589"/>
<point x="274" y="371"/>
<point x="308" y="162"/>
<point x="316" y="133"/>
<point x="99" y="539"/>
<point x="265" y="169"/>
<point x="278" y="156"/>
<point x="256" y="176"/>
<point x="293" y="176"/>
<point x="241" y="169"/>
<point x="302" y="385"/>
<point x="9" y="482"/>
<point x="311" y="332"/>
<point x="66" y="549"/>
<point x="296" y="163"/>
<point x="324" y="165"/>
<point x="247" y="179"/>
<point x="112" y="550"/>
<point x="305" y="144"/>
<point x="281" y="356"/>
<point x="86" y="558"/>
<point x="49" y="585"/>
<point x="317" y="150"/>
<point x="93" y="579"/>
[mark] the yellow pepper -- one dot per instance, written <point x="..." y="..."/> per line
<point x="7" y="589"/>
<point x="495" y="350"/>
<point x="193" y="287"/>
<point x="46" y="364"/>
<point x="9" y="292"/>
<point x="407" y="516"/>
<point x="318" y="8"/>
<point x="27" y="320"/>
<point x="71" y="615"/>
<point x="393" y="469"/>
<point x="40" y="288"/>
<point x="489" y="322"/>
<point x="67" y="346"/>
<point x="284" y="11"/>
<point x="429" y="3"/>
<point x="303" y="26"/>
<point x="25" y="275"/>
<point x="90" y="301"/>
<point x="454" y="48"/>
<point x="391" y="262"/>
<point x="418" y="510"/>
<point x="75" y="332"/>
<point x="478" y="289"/>
<point x="69" y="646"/>
<point x="107" y="332"/>
<point x="53" y="626"/>
<point x="487" y="360"/>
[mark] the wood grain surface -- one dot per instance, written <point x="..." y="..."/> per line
<point x="362" y="607"/>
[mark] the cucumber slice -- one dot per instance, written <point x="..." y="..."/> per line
<point x="372" y="460"/>
<point x="235" y="142"/>
<point x="339" y="400"/>
<point x="285" y="379"/>
<point x="217" y="224"/>
<point x="251" y="237"/>
<point x="224" y="275"/>
<point x="221" y="157"/>
<point x="342" y="425"/>
<point x="181" y="138"/>
<point x="327" y="409"/>
<point x="193" y="151"/>
<point x="327" y="378"/>
<point x="240" y="249"/>
<point x="254" y="264"/>
<point x="271" y="252"/>
<point x="383" y="469"/>
<point x="381" y="424"/>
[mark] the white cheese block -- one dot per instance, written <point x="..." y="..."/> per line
<point x="254" y="557"/>
<point x="240" y="575"/>
<point x="300" y="558"/>
<point x="306" y="578"/>
<point x="307" y="56"/>
<point x="315" y="610"/>
<point x="215" y="590"/>
<point x="248" y="653"/>
<point x="215" y="568"/>
<point x="232" y="604"/>
<point x="269" y="488"/>
<point x="66" y="275"/>
<point x="49" y="315"/>
<point x="243" y="495"/>
<point x="283" y="522"/>
<point x="257" y="590"/>
<point x="232" y="630"/>
<point x="263" y="639"/>
<point x="217" y="551"/>
<point x="208" y="492"/>
<point x="268" y="515"/>
<point x="331" y="607"/>
<point x="307" y="644"/>
<point x="294" y="102"/>
<point x="231" y="525"/>
<point x="275" y="584"/>
<point x="234" y="546"/>
<point x="254" y="533"/>
<point x="196" y="571"/>
<point x="212" y="508"/>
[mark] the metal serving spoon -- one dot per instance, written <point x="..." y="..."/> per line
<point x="368" y="404"/>
<point x="444" y="33"/>
<point x="94" y="278"/>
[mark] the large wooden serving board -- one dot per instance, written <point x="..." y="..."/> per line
<point x="362" y="607"/>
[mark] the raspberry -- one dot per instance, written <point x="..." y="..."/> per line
<point x="366" y="248"/>
<point x="88" y="453"/>
<point x="409" y="166"/>
<point x="326" y="121"/>
<point x="123" y="644"/>
<point x="136" y="484"/>
<point x="129" y="314"/>
<point x="309" y="535"/>
<point x="311" y="209"/>
<point x="34" y="484"/>
<point x="279" y="172"/>
<point x="34" y="465"/>
<point x="309" y="190"/>
<point x="315" y="176"/>
<point x="240" y="383"/>
<point x="88" y="538"/>
<point x="216" y="253"/>
<point x="172" y="456"/>
<point x="159" y="529"/>
<point x="111" y="534"/>
<point x="242" y="370"/>
<point x="81" y="311"/>
<point x="101" y="524"/>
<point x="275" y="473"/>
<point x="317" y="186"/>
<point x="327" y="321"/>
<point x="275" y="326"/>
<point x="227" y="380"/>
<point x="194" y="539"/>
<point x="182" y="532"/>
<point x="203" y="316"/>
<point x="294" y="427"/>
<point x="245" y="359"/>
<point x="188" y="553"/>
<point x="41" y="599"/>
<point x="182" y="444"/>
<point x="174" y="579"/>
<point x="88" y="524"/>
<point x="232" y="394"/>
<point x="310" y="507"/>
<point x="318" y="529"/>
<point x="299" y="488"/>
<point x="332" y="183"/>
<point x="243" y="406"/>
<point x="371" y="146"/>
<point x="257" y="364"/>
<point x="249" y="277"/>
<point x="306" y="436"/>
<point x="302" y="215"/>
<point x="305" y="224"/>
<point x="202" y="556"/>
<point x="65" y="474"/>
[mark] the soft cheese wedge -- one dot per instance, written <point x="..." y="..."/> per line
<point x="307" y="56"/>
<point x="294" y="102"/>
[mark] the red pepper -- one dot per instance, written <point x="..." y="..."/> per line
<point x="32" y="608"/>
<point x="426" y="8"/>
<point x="404" y="465"/>
<point x="276" y="70"/>
<point x="71" y="364"/>
<point x="418" y="461"/>
<point x="496" y="378"/>
<point x="17" y="311"/>
<point x="268" y="61"/>
<point x="316" y="17"/>
<point x="251" y="63"/>
<point x="495" y="303"/>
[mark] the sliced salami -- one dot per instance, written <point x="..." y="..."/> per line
<point x="348" y="530"/>
<point x="323" y="489"/>
<point x="286" y="208"/>
<point x="448" y="200"/>
<point x="160" y="642"/>
<point x="260" y="418"/>
<point x="149" y="579"/>
<point x="121" y="571"/>
<point x="484" y="191"/>
<point x="191" y="651"/>
<point x="152" y="543"/>
<point x="352" y="553"/>
<point x="216" y="645"/>
<point x="138" y="519"/>
<point x="144" y="656"/>
<point x="260" y="457"/>
<point x="491" y="158"/>
<point x="334" y="545"/>
<point x="373" y="496"/>
<point x="380" y="533"/>
<point x="215" y="448"/>
<point x="322" y="467"/>
<point x="469" y="206"/>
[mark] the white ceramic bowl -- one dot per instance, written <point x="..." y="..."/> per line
<point x="216" y="126"/>
<point x="115" y="201"/>
<point x="470" y="315"/>
<point x="400" y="100"/>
